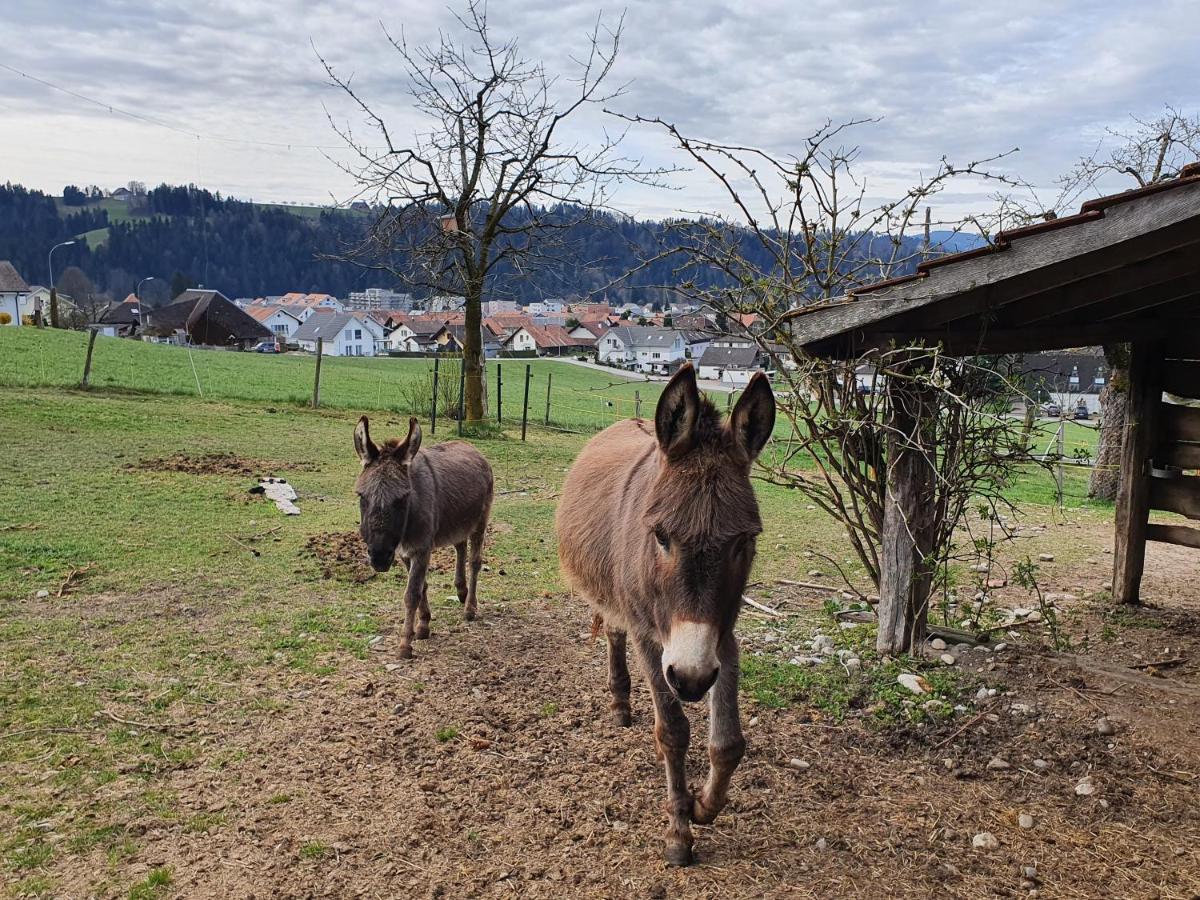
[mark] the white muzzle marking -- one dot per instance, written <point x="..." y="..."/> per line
<point x="691" y="649"/>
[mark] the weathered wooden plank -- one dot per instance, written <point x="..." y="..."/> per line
<point x="1182" y="378"/>
<point x="1178" y="495"/>
<point x="1139" y="282"/>
<point x="1024" y="340"/>
<point x="1128" y="231"/>
<point x="1181" y="535"/>
<point x="1178" y="423"/>
<point x="1185" y="456"/>
<point x="1133" y="493"/>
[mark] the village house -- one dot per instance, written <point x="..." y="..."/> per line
<point x="13" y="291"/>
<point x="200" y="317"/>
<point x="123" y="319"/>
<point x="589" y="332"/>
<point x="731" y="365"/>
<point x="550" y="340"/>
<point x="279" y="320"/>
<point x="653" y="350"/>
<point x="342" y="334"/>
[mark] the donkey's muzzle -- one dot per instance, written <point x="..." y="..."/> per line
<point x="690" y="688"/>
<point x="382" y="561"/>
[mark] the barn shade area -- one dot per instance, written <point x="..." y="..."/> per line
<point x="1125" y="269"/>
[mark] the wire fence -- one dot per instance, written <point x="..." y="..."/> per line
<point x="518" y="396"/>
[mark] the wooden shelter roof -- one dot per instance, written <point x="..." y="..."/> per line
<point x="1125" y="267"/>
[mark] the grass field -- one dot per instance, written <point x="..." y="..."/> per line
<point x="580" y="398"/>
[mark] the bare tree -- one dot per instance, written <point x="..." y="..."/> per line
<point x="897" y="445"/>
<point x="1146" y="152"/>
<point x="493" y="182"/>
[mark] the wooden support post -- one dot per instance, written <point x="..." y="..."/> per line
<point x="906" y="576"/>
<point x="549" y="379"/>
<point x="87" y="362"/>
<point x="1133" y="492"/>
<point x="637" y="404"/>
<point x="433" y="411"/>
<point x="499" y="396"/>
<point x="525" y="405"/>
<point x="316" y="400"/>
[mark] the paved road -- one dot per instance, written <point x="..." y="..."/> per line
<point x="705" y="384"/>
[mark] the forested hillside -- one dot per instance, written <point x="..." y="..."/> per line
<point x="187" y="236"/>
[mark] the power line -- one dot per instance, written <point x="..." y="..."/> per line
<point x="161" y="123"/>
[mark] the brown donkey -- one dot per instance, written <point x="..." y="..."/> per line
<point x="656" y="528"/>
<point x="414" y="500"/>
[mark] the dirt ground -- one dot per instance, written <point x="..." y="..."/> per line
<point x="487" y="766"/>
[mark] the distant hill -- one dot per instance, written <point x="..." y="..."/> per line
<point x="954" y="241"/>
<point x="187" y="236"/>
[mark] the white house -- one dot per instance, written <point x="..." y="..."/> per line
<point x="404" y="339"/>
<point x="653" y="350"/>
<point x="732" y="365"/>
<point x="343" y="334"/>
<point x="281" y="322"/>
<point x="13" y="293"/>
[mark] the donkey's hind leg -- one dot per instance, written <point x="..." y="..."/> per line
<point x="460" y="571"/>
<point x="618" y="677"/>
<point x="472" y="600"/>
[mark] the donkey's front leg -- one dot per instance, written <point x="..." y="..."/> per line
<point x="671" y="734"/>
<point x="618" y="677"/>
<point x="413" y="592"/>
<point x="726" y="745"/>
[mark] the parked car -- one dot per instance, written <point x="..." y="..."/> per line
<point x="1081" y="411"/>
<point x="1053" y="410"/>
<point x="266" y="347"/>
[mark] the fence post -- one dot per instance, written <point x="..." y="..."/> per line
<point x="87" y="363"/>
<point x="499" y="400"/>
<point x="433" y="413"/>
<point x="549" y="379"/>
<point x="525" y="405"/>
<point x="462" y="384"/>
<point x="1059" y="473"/>
<point x="637" y="404"/>
<point x="316" y="401"/>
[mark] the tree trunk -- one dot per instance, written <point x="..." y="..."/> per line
<point x="906" y="542"/>
<point x="1114" y="408"/>
<point x="473" y="360"/>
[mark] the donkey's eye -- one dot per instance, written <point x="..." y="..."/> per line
<point x="663" y="540"/>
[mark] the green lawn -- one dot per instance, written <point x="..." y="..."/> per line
<point x="580" y="398"/>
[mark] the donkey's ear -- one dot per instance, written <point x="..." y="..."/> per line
<point x="363" y="445"/>
<point x="412" y="443"/>
<point x="753" y="418"/>
<point x="677" y="412"/>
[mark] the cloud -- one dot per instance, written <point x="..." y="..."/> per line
<point x="964" y="80"/>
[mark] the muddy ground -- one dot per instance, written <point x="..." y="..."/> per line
<point x="487" y="766"/>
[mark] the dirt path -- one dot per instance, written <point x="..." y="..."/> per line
<point x="487" y="767"/>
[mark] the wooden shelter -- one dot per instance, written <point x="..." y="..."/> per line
<point x="1125" y="269"/>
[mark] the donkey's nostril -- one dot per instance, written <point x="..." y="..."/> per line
<point x="671" y="679"/>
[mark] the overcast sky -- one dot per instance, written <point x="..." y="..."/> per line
<point x="961" y="79"/>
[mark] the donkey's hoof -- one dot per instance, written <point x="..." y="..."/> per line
<point x="701" y="814"/>
<point x="469" y="615"/>
<point x="622" y="717"/>
<point x="405" y="651"/>
<point x="678" y="855"/>
<point x="422" y="632"/>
